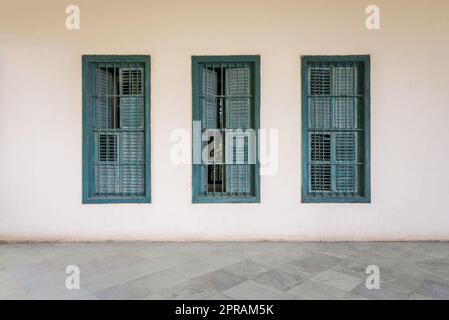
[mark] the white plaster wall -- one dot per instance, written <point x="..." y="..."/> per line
<point x="40" y="116"/>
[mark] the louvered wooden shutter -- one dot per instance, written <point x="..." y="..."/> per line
<point x="345" y="88"/>
<point x="320" y="121"/>
<point x="104" y="104"/>
<point x="209" y="120"/>
<point x="209" y="114"/>
<point x="132" y="124"/>
<point x="106" y="142"/>
<point x="238" y="116"/>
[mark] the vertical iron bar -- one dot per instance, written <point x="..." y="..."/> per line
<point x="107" y="133"/>
<point x="96" y="133"/>
<point x="222" y="126"/>
<point x="204" y="124"/>
<point x="144" y="129"/>
<point x="355" y="126"/>
<point x="215" y="112"/>
<point x="237" y="69"/>
<point x="116" y="120"/>
<point x="245" y="94"/>
<point x="338" y="124"/>
<point x="229" y="97"/>
<point x="346" y="80"/>
<point x="333" y="115"/>
<point x="129" y="126"/>
<point x="323" y="181"/>
<point x="205" y="82"/>
<point x="315" y="150"/>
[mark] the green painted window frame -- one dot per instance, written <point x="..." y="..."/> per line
<point x="87" y="84"/>
<point x="365" y="197"/>
<point x="197" y="61"/>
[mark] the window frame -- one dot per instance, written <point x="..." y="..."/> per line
<point x="87" y="81"/>
<point x="196" y="74"/>
<point x="366" y="62"/>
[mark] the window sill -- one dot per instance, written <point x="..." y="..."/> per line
<point x="317" y="199"/>
<point x="225" y="199"/>
<point x="99" y="200"/>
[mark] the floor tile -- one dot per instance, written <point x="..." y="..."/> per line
<point x="162" y="280"/>
<point x="109" y="263"/>
<point x="294" y="269"/>
<point x="337" y="280"/>
<point x="247" y="269"/>
<point x="130" y="290"/>
<point x="271" y="259"/>
<point x="416" y="296"/>
<point x="219" y="280"/>
<point x="279" y="280"/>
<point x="193" y="268"/>
<point x="385" y="292"/>
<point x="42" y="281"/>
<point x="350" y="296"/>
<point x="351" y="268"/>
<point x="250" y="290"/>
<point x="189" y="290"/>
<point x="219" y="296"/>
<point x="433" y="290"/>
<point x="311" y="290"/>
<point x="10" y="289"/>
<point x="143" y="287"/>
<point x="60" y="292"/>
<point x="314" y="263"/>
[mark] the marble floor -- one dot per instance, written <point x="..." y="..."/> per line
<point x="224" y="270"/>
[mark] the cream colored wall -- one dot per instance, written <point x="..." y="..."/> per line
<point x="40" y="116"/>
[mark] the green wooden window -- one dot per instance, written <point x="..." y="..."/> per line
<point x="336" y="128"/>
<point x="225" y="123"/>
<point x="116" y="129"/>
